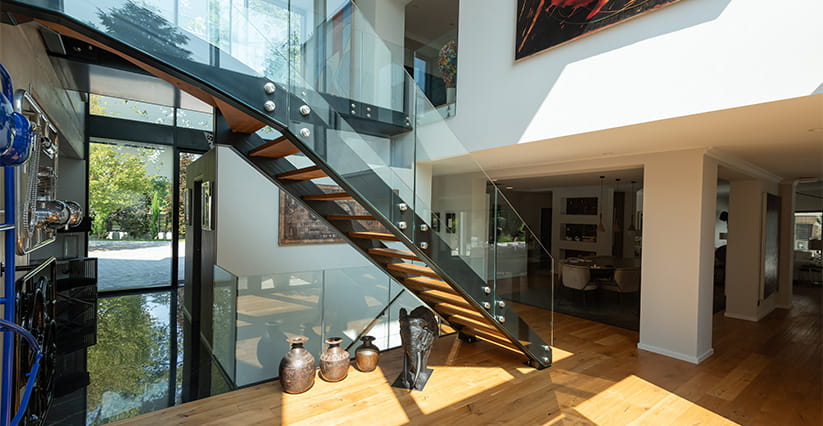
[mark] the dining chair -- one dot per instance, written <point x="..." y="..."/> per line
<point x="578" y="278"/>
<point x="626" y="280"/>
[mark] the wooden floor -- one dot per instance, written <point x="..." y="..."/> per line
<point x="765" y="373"/>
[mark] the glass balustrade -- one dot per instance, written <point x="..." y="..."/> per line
<point x="254" y="315"/>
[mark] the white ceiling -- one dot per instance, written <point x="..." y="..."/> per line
<point x="542" y="183"/>
<point x="428" y="20"/>
<point x="784" y="138"/>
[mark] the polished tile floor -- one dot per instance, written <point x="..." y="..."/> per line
<point x="136" y="366"/>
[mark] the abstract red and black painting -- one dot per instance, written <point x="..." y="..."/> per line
<point x="543" y="24"/>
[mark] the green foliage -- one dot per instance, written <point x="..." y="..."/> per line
<point x="155" y="214"/>
<point x="122" y="193"/>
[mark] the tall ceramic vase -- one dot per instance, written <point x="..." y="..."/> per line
<point x="297" y="367"/>
<point x="334" y="363"/>
<point x="366" y="355"/>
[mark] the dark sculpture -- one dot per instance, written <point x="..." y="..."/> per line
<point x="418" y="331"/>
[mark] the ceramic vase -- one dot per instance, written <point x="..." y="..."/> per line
<point x="297" y="367"/>
<point x="334" y="363"/>
<point x="366" y="355"/>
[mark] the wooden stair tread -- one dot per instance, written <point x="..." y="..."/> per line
<point x="373" y="236"/>
<point x="306" y="173"/>
<point x="457" y="310"/>
<point x="430" y="283"/>
<point x="411" y="268"/>
<point x="475" y="324"/>
<point x="348" y="217"/>
<point x="447" y="298"/>
<point x="395" y="253"/>
<point x="277" y="148"/>
<point x="330" y="196"/>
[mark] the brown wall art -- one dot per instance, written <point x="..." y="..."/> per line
<point x="543" y="24"/>
<point x="299" y="226"/>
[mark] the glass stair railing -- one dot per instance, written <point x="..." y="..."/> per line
<point x="340" y="107"/>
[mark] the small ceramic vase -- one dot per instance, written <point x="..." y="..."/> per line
<point x="297" y="367"/>
<point x="366" y="355"/>
<point x="334" y="363"/>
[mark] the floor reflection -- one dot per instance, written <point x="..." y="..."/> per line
<point x="136" y="366"/>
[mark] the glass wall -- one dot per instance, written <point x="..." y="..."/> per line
<point x="346" y="303"/>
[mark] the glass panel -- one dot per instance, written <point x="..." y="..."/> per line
<point x="130" y="202"/>
<point x="224" y="316"/>
<point x="194" y="119"/>
<point x="353" y="300"/>
<point x="524" y="279"/>
<point x="270" y="309"/>
<point x="130" y="110"/>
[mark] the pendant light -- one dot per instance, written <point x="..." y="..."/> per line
<point x="634" y="210"/>
<point x="617" y="225"/>
<point x="600" y="227"/>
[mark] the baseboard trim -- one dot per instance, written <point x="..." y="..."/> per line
<point x="740" y="317"/>
<point x="676" y="355"/>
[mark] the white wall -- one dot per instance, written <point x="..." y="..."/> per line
<point x="691" y="57"/>
<point x="744" y="264"/>
<point x="247" y="237"/>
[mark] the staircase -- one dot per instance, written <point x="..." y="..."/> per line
<point x="336" y="134"/>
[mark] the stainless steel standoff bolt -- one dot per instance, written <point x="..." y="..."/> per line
<point x="305" y="132"/>
<point x="424" y="227"/>
<point x="487" y="305"/>
<point x="403" y="207"/>
<point x="402" y="225"/>
<point x="501" y="319"/>
<point x="305" y="109"/>
<point x="487" y="290"/>
<point x="269" y="106"/>
<point x="269" y="88"/>
<point x="424" y="245"/>
<point x="501" y="304"/>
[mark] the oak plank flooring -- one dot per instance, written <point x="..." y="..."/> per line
<point x="761" y="373"/>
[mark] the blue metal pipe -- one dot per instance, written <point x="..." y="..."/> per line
<point x="9" y="291"/>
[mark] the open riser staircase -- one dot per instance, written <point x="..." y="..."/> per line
<point x="392" y="235"/>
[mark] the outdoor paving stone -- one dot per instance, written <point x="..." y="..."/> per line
<point x="124" y="264"/>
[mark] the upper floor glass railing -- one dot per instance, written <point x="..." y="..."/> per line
<point x="353" y="106"/>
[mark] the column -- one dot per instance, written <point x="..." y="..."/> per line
<point x="680" y="194"/>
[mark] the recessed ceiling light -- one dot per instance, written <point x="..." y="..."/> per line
<point x="509" y="187"/>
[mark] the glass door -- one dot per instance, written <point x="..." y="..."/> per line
<point x="130" y="201"/>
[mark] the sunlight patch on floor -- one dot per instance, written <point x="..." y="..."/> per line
<point x="365" y="392"/>
<point x="636" y="401"/>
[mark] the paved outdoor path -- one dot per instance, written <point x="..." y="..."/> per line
<point x="127" y="264"/>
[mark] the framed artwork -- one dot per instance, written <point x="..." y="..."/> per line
<point x="435" y="221"/>
<point x="771" y="244"/>
<point x="543" y="24"/>
<point x="207" y="217"/>
<point x="187" y="206"/>
<point x="299" y="226"/>
<point x="451" y="223"/>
